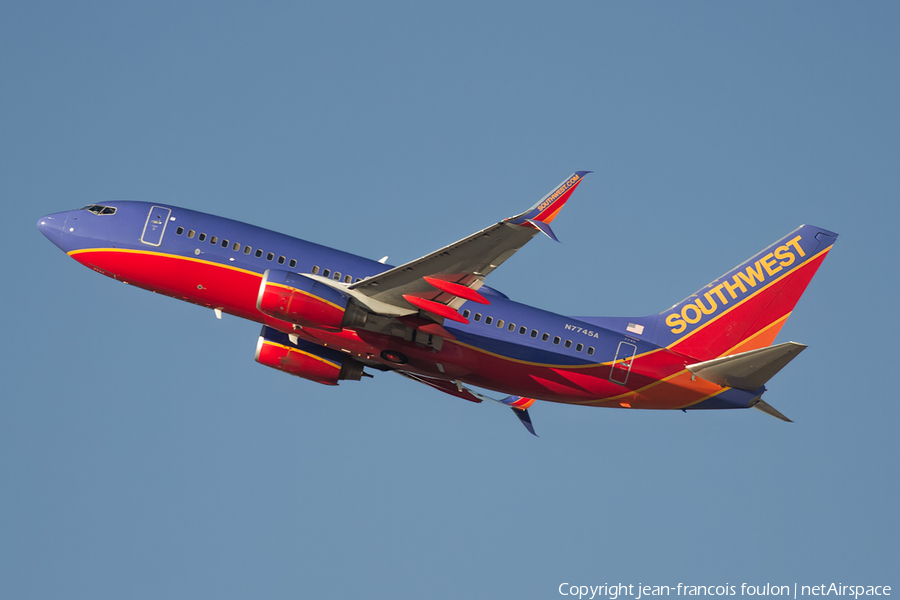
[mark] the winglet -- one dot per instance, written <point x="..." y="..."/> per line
<point x="520" y="406"/>
<point x="545" y="229"/>
<point x="526" y="420"/>
<point x="549" y="206"/>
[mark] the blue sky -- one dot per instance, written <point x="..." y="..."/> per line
<point x="144" y="454"/>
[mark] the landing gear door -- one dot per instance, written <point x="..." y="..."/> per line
<point x="155" y="227"/>
<point x="621" y="366"/>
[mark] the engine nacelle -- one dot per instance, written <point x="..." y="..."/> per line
<point x="305" y="359"/>
<point x="300" y="300"/>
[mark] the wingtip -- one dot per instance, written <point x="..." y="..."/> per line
<point x="525" y="418"/>
<point x="545" y="229"/>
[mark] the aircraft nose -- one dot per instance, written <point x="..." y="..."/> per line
<point x="52" y="226"/>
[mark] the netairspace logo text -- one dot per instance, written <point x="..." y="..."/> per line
<point x="639" y="591"/>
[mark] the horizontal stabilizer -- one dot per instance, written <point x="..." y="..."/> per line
<point x="762" y="405"/>
<point x="747" y="370"/>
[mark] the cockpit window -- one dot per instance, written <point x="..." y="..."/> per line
<point x="98" y="209"/>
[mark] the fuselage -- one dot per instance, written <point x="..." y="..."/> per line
<point x="507" y="346"/>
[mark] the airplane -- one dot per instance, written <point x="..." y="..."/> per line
<point x="328" y="315"/>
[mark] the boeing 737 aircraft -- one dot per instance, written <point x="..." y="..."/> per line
<point x="327" y="315"/>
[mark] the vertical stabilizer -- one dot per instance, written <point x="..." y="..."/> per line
<point x="745" y="308"/>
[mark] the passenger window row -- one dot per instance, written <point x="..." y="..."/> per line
<point x="235" y="247"/>
<point x="336" y="275"/>
<point x="523" y="330"/>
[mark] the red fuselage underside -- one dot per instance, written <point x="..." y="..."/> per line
<point x="658" y="379"/>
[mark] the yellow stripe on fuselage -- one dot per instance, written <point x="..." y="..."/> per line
<point x="165" y="255"/>
<point x="203" y="262"/>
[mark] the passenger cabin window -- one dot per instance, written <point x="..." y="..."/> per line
<point x="213" y="240"/>
<point x="557" y="340"/>
<point x="326" y="273"/>
<point x="499" y="323"/>
<point x="293" y="263"/>
<point x="545" y="337"/>
<point x="534" y="333"/>
<point x="236" y="247"/>
<point x="270" y="256"/>
<point x="512" y="327"/>
<point x="466" y="314"/>
<point x="224" y="243"/>
<point x="281" y="260"/>
<point x="191" y="233"/>
<point x="347" y="279"/>
<point x="202" y="237"/>
<point x="477" y="316"/>
<point x="247" y="249"/>
<point x="579" y="347"/>
<point x="179" y="231"/>
<point x="568" y="343"/>
<point x="259" y="253"/>
<point x="488" y="320"/>
<point x="590" y="350"/>
<point x="522" y="330"/>
<point x="315" y="271"/>
<point x="337" y="276"/>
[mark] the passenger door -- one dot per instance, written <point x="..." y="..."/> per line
<point x="621" y="366"/>
<point x="155" y="227"/>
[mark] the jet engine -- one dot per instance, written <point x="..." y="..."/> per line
<point x="300" y="300"/>
<point x="305" y="359"/>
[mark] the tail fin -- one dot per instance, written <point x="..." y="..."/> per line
<point x="745" y="308"/>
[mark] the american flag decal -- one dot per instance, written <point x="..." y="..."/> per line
<point x="635" y="328"/>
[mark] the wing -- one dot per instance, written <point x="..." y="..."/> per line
<point x="439" y="283"/>
<point x="518" y="404"/>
